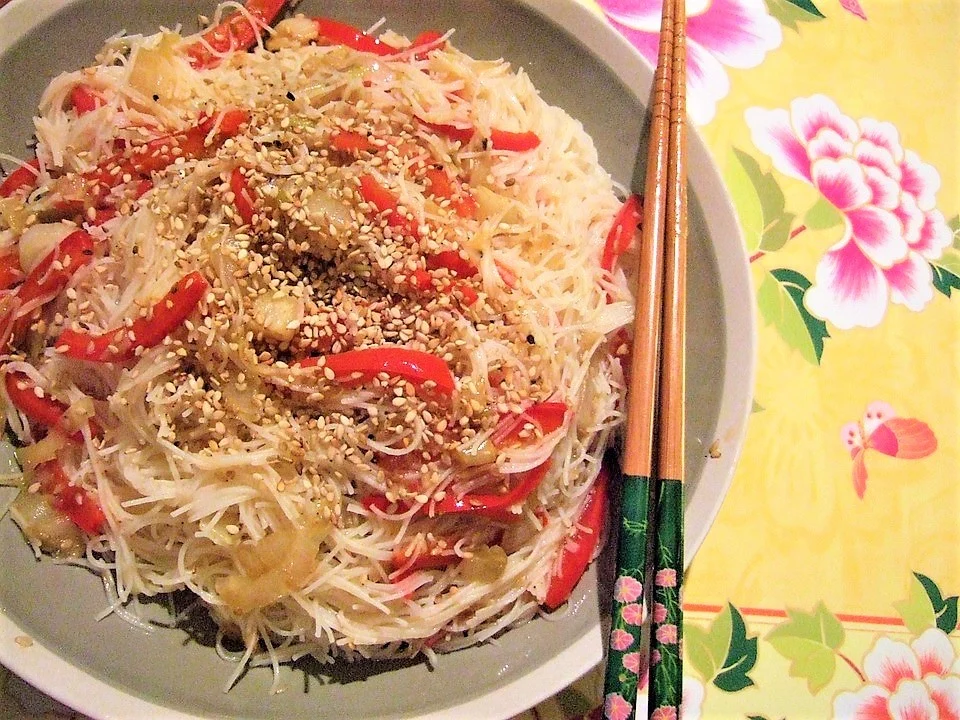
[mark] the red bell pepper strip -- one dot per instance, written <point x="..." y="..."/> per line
<point x="499" y="139"/>
<point x="343" y="34"/>
<point x="470" y="296"/>
<point x="442" y="186"/>
<point x="548" y="416"/>
<point x="452" y="261"/>
<point x="11" y="274"/>
<point x="45" y="410"/>
<point x="237" y="32"/>
<point x="161" y="152"/>
<point x="424" y="39"/>
<point x="515" y="141"/>
<point x="351" y="142"/>
<point x="242" y="197"/>
<point x="53" y="273"/>
<point x="24" y="176"/>
<point x="386" y="202"/>
<point x="578" y="550"/>
<point x="495" y="506"/>
<point x="414" y="366"/>
<point x="85" y="99"/>
<point x="121" y="343"/>
<point x="463" y="135"/>
<point x="73" y="501"/>
<point x="620" y="235"/>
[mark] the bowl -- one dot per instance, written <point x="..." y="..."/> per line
<point x="49" y="632"/>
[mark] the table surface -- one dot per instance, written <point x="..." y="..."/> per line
<point x="828" y="584"/>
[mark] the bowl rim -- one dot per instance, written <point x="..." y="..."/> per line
<point x="72" y="686"/>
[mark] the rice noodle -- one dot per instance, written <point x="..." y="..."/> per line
<point x="217" y="447"/>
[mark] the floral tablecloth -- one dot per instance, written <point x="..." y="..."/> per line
<point x="828" y="586"/>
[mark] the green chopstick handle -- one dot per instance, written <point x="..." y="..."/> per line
<point x="625" y="656"/>
<point x="666" y="684"/>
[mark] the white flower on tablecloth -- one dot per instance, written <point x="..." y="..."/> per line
<point x="919" y="681"/>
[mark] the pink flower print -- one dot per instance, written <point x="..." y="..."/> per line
<point x="667" y="577"/>
<point x="627" y="589"/>
<point x="664" y="713"/>
<point x="620" y="639"/>
<point x="887" y="198"/>
<point x="654" y="657"/>
<point x="720" y="34"/>
<point x="919" y="681"/>
<point x="615" y="707"/>
<point x="659" y="613"/>
<point x="634" y="662"/>
<point x="632" y="614"/>
<point x="880" y="429"/>
<point x="667" y="634"/>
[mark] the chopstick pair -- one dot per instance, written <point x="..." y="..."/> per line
<point x="652" y="464"/>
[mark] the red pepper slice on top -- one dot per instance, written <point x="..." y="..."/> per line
<point x="414" y="366"/>
<point x="443" y="186"/>
<point x="548" y="416"/>
<point x="121" y="343"/>
<point x="620" y="235"/>
<point x="242" y="197"/>
<point x="499" y="139"/>
<point x="580" y="547"/>
<point x="386" y="202"/>
<point x="73" y="501"/>
<point x="48" y="279"/>
<point x="452" y="261"/>
<point x="24" y="176"/>
<point x="344" y="34"/>
<point x="45" y="410"/>
<point x="427" y="38"/>
<point x="85" y="99"/>
<point x="495" y="506"/>
<point x="11" y="274"/>
<point x="234" y="33"/>
<point x="351" y="142"/>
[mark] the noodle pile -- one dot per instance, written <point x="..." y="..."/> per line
<point x="338" y="203"/>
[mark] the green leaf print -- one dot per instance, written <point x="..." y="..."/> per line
<point x="741" y="656"/>
<point x="707" y="649"/>
<point x="946" y="272"/>
<point x="790" y="14"/>
<point x="759" y="202"/>
<point x="822" y="215"/>
<point x="916" y="609"/>
<point x="780" y="298"/>
<point x="810" y="642"/>
<point x="944" y="609"/>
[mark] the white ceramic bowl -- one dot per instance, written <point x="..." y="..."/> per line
<point x="109" y="669"/>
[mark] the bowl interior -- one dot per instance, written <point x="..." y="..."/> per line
<point x="593" y="74"/>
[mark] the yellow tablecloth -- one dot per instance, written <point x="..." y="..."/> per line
<point x="828" y="584"/>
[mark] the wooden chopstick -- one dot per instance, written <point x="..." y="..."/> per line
<point x="653" y="459"/>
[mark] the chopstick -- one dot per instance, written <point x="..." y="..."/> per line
<point x="653" y="459"/>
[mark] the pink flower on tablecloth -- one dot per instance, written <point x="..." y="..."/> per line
<point x="627" y="589"/>
<point x="634" y="662"/>
<point x="667" y="634"/>
<point x="720" y="34"/>
<point x="615" y="707"/>
<point x="632" y="614"/>
<point x="919" y="681"/>
<point x="659" y="613"/>
<point x="886" y="195"/>
<point x="880" y="429"/>
<point x="620" y="639"/>
<point x="667" y="577"/>
<point x="664" y="713"/>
